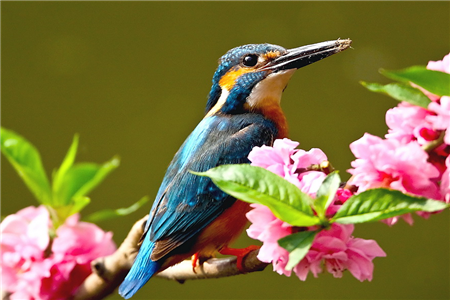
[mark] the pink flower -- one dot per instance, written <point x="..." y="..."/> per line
<point x="392" y="164"/>
<point x="82" y="241"/>
<point x="269" y="229"/>
<point x="309" y="181"/>
<point x="290" y="163"/>
<point x="32" y="271"/>
<point x="407" y="123"/>
<point x="24" y="240"/>
<point x="441" y="121"/>
<point x="276" y="159"/>
<point x="304" y="159"/>
<point x="334" y="248"/>
<point x="339" y="251"/>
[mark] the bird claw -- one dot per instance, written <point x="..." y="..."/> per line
<point x="195" y="262"/>
<point x="240" y="255"/>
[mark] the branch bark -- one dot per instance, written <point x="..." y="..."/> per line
<point x="108" y="272"/>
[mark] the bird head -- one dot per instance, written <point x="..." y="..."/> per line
<point x="252" y="77"/>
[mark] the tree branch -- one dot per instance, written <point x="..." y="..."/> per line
<point x="108" y="272"/>
<point x="213" y="268"/>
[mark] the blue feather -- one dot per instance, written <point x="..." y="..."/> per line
<point x="141" y="271"/>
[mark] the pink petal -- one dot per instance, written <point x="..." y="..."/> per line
<point x="360" y="266"/>
<point x="329" y="244"/>
<point x="304" y="159"/>
<point x="367" y="248"/>
<point x="302" y="269"/>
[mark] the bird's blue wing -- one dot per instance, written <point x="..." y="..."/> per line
<point x="186" y="203"/>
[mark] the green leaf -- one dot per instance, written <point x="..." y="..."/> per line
<point x="435" y="82"/>
<point x="81" y="178"/>
<point x="61" y="213"/>
<point x="72" y="181"/>
<point x="326" y="193"/>
<point x="257" y="185"/>
<point x="400" y="92"/>
<point x="378" y="204"/>
<point x="298" y="245"/>
<point x="78" y="204"/>
<point x="65" y="165"/>
<point x="25" y="158"/>
<point x="107" y="214"/>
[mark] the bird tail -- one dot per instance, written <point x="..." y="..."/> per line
<point x="141" y="271"/>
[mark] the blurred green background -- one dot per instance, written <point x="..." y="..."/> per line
<point x="132" y="79"/>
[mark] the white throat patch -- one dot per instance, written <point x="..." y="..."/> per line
<point x="269" y="90"/>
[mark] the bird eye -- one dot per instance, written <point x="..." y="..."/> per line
<point x="250" y="60"/>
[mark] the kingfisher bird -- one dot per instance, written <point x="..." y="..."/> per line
<point x="190" y="215"/>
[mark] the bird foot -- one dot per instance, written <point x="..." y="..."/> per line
<point x="198" y="260"/>
<point x="239" y="253"/>
<point x="195" y="261"/>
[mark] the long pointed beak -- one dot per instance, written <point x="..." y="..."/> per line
<point x="305" y="55"/>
